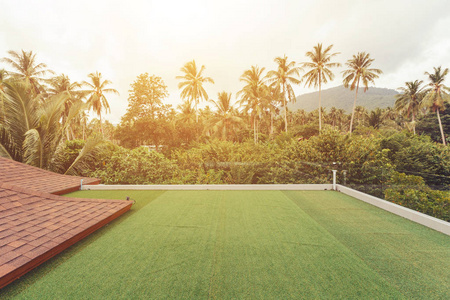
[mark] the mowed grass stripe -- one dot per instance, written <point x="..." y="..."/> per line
<point x="210" y="245"/>
<point x="413" y="258"/>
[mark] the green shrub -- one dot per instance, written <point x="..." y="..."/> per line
<point x="118" y="165"/>
<point x="412" y="192"/>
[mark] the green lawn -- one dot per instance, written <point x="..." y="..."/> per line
<point x="246" y="244"/>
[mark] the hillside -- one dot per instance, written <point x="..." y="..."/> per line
<point x="340" y="97"/>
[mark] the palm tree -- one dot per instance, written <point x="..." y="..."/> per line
<point x="341" y="117"/>
<point x="186" y="122"/>
<point x="252" y="94"/>
<point x="192" y="85"/>
<point x="358" y="70"/>
<point x="361" y="113"/>
<point x="282" y="78"/>
<point x="376" y="118"/>
<point x="319" y="70"/>
<point x="226" y="117"/>
<point x="437" y="95"/>
<point x="96" y="93"/>
<point x="270" y="103"/>
<point x="27" y="68"/>
<point x="62" y="84"/>
<point x="36" y="131"/>
<point x="409" y="101"/>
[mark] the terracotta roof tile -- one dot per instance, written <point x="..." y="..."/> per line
<point x="36" y="225"/>
<point x="28" y="177"/>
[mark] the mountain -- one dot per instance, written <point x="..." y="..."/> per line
<point x="340" y="97"/>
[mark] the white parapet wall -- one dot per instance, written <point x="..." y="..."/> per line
<point x="426" y="220"/>
<point x="214" y="187"/>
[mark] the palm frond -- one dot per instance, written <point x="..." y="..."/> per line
<point x="33" y="148"/>
<point x="89" y="151"/>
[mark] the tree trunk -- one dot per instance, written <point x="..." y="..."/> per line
<point x="271" y="123"/>
<point x="254" y="129"/>
<point x="440" y="127"/>
<point x="196" y="111"/>
<point x="320" y="111"/>
<point x="414" y="124"/>
<point x="101" y="127"/>
<point x="320" y="106"/>
<point x="354" y="106"/>
<point x="285" y="109"/>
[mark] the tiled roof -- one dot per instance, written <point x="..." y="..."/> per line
<point x="35" y="226"/>
<point x="26" y="176"/>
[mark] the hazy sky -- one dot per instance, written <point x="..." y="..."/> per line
<point x="122" y="39"/>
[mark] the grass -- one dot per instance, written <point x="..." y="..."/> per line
<point x="246" y="244"/>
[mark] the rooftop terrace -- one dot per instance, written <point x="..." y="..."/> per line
<point x="246" y="244"/>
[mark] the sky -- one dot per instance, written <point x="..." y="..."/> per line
<point x="123" y="39"/>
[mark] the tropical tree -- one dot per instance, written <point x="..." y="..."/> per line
<point x="252" y="94"/>
<point x="409" y="101"/>
<point x="270" y="103"/>
<point x="186" y="122"/>
<point x="36" y="130"/>
<point x="359" y="71"/>
<point x="437" y="94"/>
<point x="96" y="94"/>
<point x="62" y="84"/>
<point x="26" y="68"/>
<point x="319" y="70"/>
<point x="283" y="78"/>
<point x="361" y="114"/>
<point x="376" y="118"/>
<point x="146" y="97"/>
<point x="192" y="84"/>
<point x="226" y="118"/>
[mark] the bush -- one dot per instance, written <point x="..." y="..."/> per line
<point x="118" y="165"/>
<point x="410" y="191"/>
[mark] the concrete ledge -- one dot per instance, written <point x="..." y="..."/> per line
<point x="213" y="187"/>
<point x="423" y="219"/>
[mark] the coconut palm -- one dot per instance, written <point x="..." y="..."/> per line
<point x="359" y="71"/>
<point x="36" y="130"/>
<point x="252" y="94"/>
<point x="60" y="84"/>
<point x="376" y="118"/>
<point x="270" y="103"/>
<point x="187" y="113"/>
<point x="409" y="101"/>
<point x="192" y="84"/>
<point x="186" y="123"/>
<point x="26" y="68"/>
<point x="226" y="118"/>
<point x="361" y="114"/>
<point x="319" y="70"/>
<point x="96" y="94"/>
<point x="283" y="78"/>
<point x="437" y="94"/>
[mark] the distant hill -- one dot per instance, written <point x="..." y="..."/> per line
<point x="340" y="97"/>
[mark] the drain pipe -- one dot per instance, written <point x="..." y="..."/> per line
<point x="334" y="179"/>
<point x="81" y="185"/>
